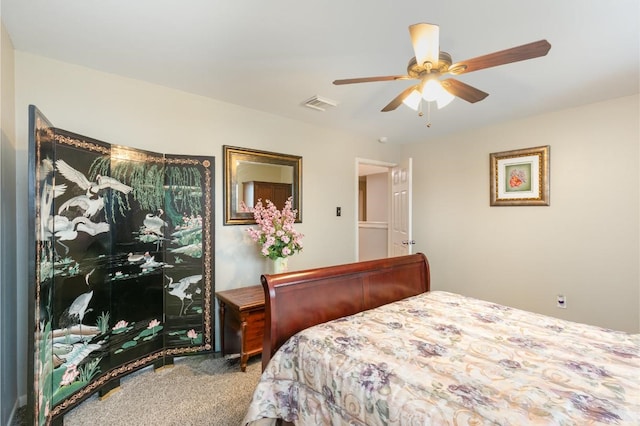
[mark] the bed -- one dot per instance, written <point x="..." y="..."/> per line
<point x="369" y="344"/>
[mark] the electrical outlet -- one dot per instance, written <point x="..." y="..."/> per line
<point x="561" y="301"/>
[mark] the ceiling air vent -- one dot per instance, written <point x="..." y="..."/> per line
<point x="319" y="103"/>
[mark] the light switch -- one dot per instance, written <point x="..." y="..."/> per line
<point x="338" y="211"/>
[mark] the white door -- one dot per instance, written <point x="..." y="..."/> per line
<point x="401" y="242"/>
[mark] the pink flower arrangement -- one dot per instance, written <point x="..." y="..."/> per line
<point x="275" y="232"/>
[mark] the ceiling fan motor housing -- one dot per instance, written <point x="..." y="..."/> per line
<point x="418" y="71"/>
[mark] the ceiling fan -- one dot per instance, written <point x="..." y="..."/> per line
<point x="430" y="63"/>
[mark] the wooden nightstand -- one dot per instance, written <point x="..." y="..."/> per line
<point x="242" y="321"/>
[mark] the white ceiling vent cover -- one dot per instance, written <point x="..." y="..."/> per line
<point x="319" y="103"/>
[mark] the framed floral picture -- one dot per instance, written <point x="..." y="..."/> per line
<point x="520" y="177"/>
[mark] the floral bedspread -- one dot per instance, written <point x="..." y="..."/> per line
<point x="441" y="358"/>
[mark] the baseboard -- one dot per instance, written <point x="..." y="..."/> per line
<point x="22" y="401"/>
<point x="12" y="416"/>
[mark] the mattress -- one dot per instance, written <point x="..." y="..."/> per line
<point x="443" y="358"/>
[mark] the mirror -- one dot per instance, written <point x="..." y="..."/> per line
<point x="250" y="175"/>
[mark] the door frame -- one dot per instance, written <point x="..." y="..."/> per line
<point x="389" y="166"/>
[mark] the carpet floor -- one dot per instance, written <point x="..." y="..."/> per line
<point x="197" y="390"/>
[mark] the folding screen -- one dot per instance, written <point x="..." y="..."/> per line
<point x="121" y="265"/>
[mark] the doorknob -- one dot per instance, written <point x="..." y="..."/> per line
<point x="406" y="242"/>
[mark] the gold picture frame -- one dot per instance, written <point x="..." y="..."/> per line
<point x="520" y="177"/>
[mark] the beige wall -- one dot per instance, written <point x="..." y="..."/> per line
<point x="585" y="245"/>
<point x="372" y="240"/>
<point x="378" y="197"/>
<point x="9" y="311"/>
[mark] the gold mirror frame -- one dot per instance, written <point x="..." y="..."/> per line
<point x="236" y="156"/>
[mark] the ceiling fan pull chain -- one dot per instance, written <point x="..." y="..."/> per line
<point x="428" y="114"/>
<point x="420" y="113"/>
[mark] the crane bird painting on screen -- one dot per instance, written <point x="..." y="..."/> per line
<point x="185" y="289"/>
<point x="74" y="313"/>
<point x="112" y="226"/>
<point x="152" y="229"/>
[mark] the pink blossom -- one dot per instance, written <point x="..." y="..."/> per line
<point x="69" y="375"/>
<point x="153" y="323"/>
<point x="191" y="334"/>
<point x="254" y="234"/>
<point x="120" y="324"/>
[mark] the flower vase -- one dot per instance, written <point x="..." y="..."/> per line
<point x="280" y="265"/>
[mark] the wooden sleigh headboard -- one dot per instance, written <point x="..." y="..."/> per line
<point x="300" y="299"/>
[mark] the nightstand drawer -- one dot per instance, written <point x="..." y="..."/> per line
<point x="254" y="332"/>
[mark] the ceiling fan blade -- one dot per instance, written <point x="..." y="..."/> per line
<point x="426" y="43"/>
<point x="370" y="79"/>
<point x="463" y="90"/>
<point x="395" y="103"/>
<point x="507" y="56"/>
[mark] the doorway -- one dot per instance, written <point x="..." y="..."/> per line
<point x="373" y="209"/>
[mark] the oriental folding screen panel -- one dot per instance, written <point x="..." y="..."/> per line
<point x="121" y="264"/>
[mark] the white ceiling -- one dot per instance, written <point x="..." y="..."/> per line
<point x="273" y="55"/>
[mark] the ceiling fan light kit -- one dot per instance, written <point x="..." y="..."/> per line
<point x="434" y="92"/>
<point x="430" y="64"/>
